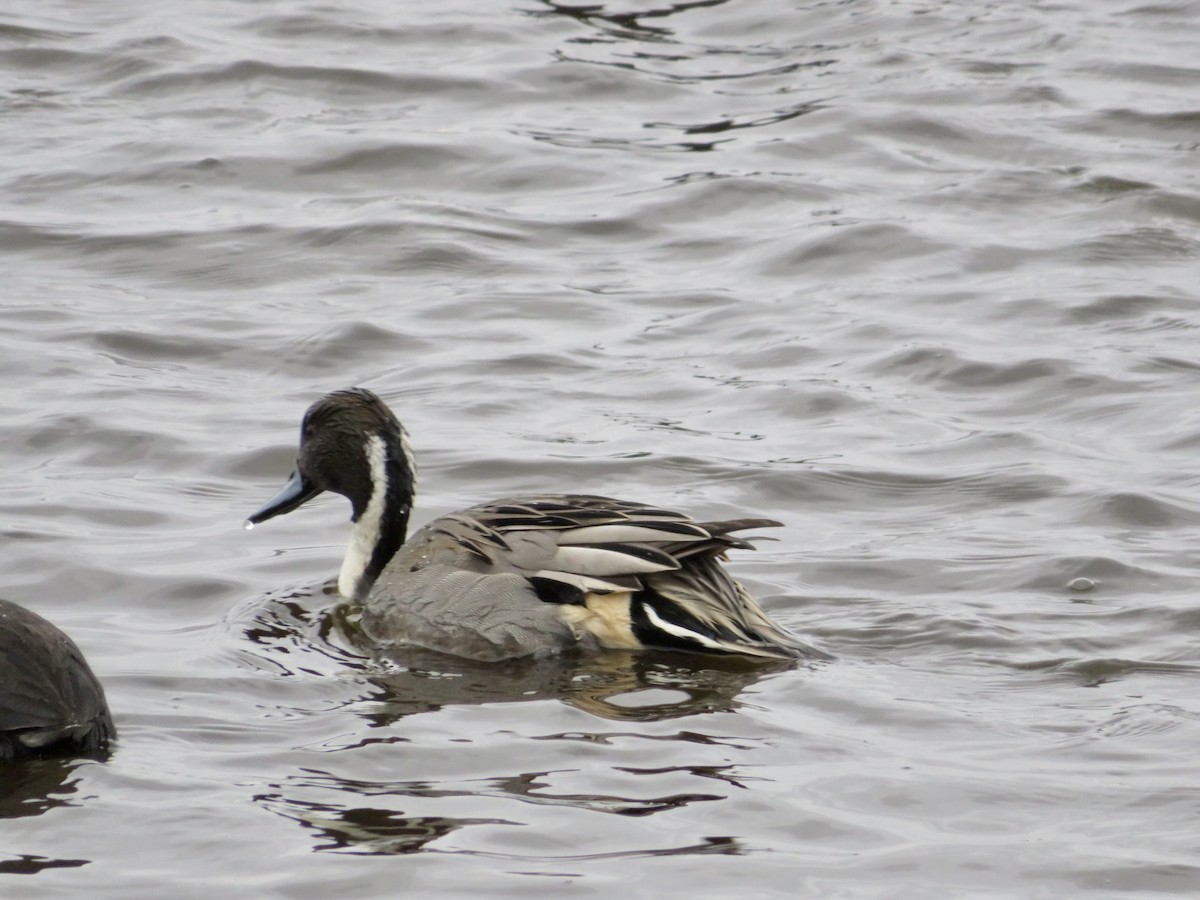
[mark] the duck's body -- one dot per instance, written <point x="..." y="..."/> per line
<point x="525" y="576"/>
<point x="544" y="574"/>
<point x="50" y="702"/>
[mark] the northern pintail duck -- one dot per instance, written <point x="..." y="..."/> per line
<point x="527" y="576"/>
<point x="50" y="702"/>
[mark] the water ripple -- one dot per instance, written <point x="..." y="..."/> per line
<point x="913" y="279"/>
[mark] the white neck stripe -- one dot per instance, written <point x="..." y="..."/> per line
<point x="365" y="536"/>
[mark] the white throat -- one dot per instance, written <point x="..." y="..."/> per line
<point x="367" y="529"/>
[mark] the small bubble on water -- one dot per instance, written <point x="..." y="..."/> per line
<point x="1081" y="584"/>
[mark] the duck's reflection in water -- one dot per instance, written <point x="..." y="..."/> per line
<point x="357" y="816"/>
<point x="32" y="787"/>
<point x="365" y="830"/>
<point x="618" y="685"/>
<point x="357" y="829"/>
<point x="362" y="815"/>
<point x="303" y="632"/>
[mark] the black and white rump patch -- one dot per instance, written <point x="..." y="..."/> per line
<point x="658" y="622"/>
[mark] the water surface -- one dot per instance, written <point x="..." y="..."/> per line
<point x="916" y="279"/>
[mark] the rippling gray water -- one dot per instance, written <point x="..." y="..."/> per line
<point x="917" y="279"/>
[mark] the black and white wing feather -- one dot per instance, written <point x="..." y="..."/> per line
<point x="573" y="549"/>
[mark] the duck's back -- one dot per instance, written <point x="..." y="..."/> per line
<point x="50" y="701"/>
<point x="544" y="574"/>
